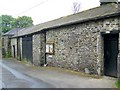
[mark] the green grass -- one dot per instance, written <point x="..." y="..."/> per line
<point x="7" y="55"/>
<point x="71" y="72"/>
<point x="118" y="84"/>
<point x="25" y="62"/>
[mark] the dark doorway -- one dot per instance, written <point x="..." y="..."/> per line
<point x="18" y="49"/>
<point x="14" y="51"/>
<point x="110" y="54"/>
<point x="27" y="48"/>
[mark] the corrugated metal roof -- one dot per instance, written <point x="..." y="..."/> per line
<point x="95" y="13"/>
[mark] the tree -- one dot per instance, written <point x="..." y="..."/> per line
<point x="8" y="22"/>
<point x="24" y="21"/>
<point x="76" y="7"/>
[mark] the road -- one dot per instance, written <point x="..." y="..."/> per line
<point x="16" y="74"/>
<point x="10" y="78"/>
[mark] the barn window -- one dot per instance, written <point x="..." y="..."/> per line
<point x="50" y="48"/>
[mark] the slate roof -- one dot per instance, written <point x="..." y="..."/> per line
<point x="108" y="0"/>
<point x="92" y="14"/>
<point x="12" y="32"/>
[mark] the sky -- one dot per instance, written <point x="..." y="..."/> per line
<point x="43" y="10"/>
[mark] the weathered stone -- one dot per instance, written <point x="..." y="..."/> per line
<point x="39" y="49"/>
<point x="87" y="71"/>
<point x="79" y="46"/>
<point x="14" y="44"/>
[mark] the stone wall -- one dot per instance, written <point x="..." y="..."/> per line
<point x="14" y="42"/>
<point x="80" y="47"/>
<point x="5" y="43"/>
<point x="21" y="46"/>
<point x="0" y="46"/>
<point x="6" y="46"/>
<point x="110" y="24"/>
<point x="39" y="49"/>
<point x="119" y="58"/>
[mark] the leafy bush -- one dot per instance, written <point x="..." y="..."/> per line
<point x="8" y="55"/>
<point x="118" y="84"/>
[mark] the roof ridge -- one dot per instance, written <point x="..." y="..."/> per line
<point x="83" y="16"/>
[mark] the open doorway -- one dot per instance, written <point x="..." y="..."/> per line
<point x="110" y="54"/>
<point x="14" y="51"/>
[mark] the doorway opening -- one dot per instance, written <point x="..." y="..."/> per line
<point x="14" y="51"/>
<point x="110" y="54"/>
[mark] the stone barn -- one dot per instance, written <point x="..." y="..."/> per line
<point x="21" y="46"/>
<point x="6" y="41"/>
<point x="88" y="41"/>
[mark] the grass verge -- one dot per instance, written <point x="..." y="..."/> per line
<point x="71" y="72"/>
<point x="25" y="62"/>
<point x="117" y="84"/>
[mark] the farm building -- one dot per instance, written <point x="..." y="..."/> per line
<point x="88" y="41"/>
<point x="6" y="41"/>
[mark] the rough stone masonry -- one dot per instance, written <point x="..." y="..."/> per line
<point x="78" y="40"/>
<point x="79" y="46"/>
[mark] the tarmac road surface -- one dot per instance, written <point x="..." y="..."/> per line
<point x="16" y="74"/>
<point x="11" y="78"/>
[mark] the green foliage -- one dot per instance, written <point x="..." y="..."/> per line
<point x="26" y="61"/>
<point x="24" y="21"/>
<point x="7" y="55"/>
<point x="8" y="22"/>
<point x="118" y="84"/>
